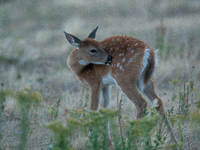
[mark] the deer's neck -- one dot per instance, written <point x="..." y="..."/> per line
<point x="73" y="62"/>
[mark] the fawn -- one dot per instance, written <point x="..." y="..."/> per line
<point x="118" y="60"/>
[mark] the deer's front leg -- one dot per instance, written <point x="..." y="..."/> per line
<point x="94" y="96"/>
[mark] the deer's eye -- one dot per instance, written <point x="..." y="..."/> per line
<point x="93" y="51"/>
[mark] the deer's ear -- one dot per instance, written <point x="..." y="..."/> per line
<point x="93" y="33"/>
<point x="74" y="41"/>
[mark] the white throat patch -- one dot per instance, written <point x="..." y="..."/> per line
<point x="83" y="62"/>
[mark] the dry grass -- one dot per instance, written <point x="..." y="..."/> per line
<point x="33" y="52"/>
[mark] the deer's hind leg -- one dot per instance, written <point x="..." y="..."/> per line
<point x="105" y="96"/>
<point x="130" y="90"/>
<point x="149" y="91"/>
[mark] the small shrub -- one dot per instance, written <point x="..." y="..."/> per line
<point x="93" y="125"/>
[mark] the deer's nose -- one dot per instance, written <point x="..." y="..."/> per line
<point x="109" y="58"/>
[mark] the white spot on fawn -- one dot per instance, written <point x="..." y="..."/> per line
<point x="118" y="64"/>
<point x="128" y="49"/>
<point x="136" y="54"/>
<point x="130" y="60"/>
<point x="136" y="44"/>
<point x="123" y="59"/>
<point x="123" y="70"/>
<point x="120" y="67"/>
<point x="132" y="51"/>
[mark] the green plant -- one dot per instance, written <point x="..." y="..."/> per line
<point x="159" y="141"/>
<point x="160" y="34"/>
<point x="179" y="116"/>
<point x="139" y="132"/>
<point x="195" y="121"/>
<point x="93" y="123"/>
<point x="26" y="100"/>
<point x="53" y="110"/>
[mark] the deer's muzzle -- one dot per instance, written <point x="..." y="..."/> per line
<point x="109" y="60"/>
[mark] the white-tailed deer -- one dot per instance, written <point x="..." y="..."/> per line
<point x="118" y="60"/>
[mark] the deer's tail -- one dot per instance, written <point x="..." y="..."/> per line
<point x="148" y="66"/>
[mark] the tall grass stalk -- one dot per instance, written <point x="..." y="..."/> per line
<point x="26" y="100"/>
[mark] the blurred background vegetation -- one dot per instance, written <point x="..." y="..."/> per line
<point x="34" y="51"/>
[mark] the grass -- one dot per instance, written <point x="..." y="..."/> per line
<point x="33" y="53"/>
<point x="91" y="126"/>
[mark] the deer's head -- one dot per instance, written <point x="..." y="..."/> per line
<point x="90" y="50"/>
